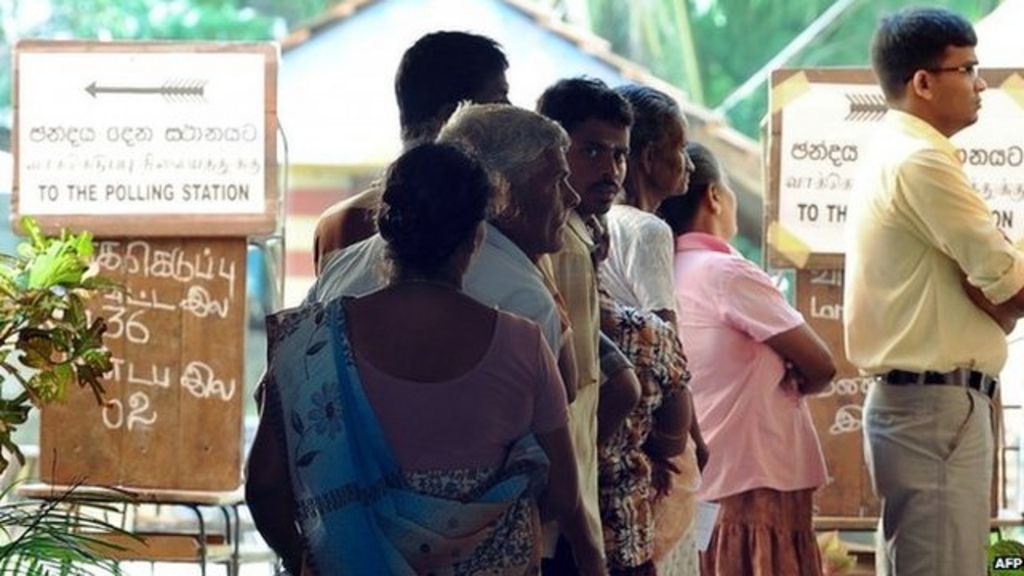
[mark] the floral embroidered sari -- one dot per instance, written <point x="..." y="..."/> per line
<point x="624" y="469"/>
<point x="359" y="513"/>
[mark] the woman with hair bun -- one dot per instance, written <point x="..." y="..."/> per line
<point x="417" y="430"/>
<point x="753" y="359"/>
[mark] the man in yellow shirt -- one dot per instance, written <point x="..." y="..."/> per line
<point x="597" y="121"/>
<point x="927" y="275"/>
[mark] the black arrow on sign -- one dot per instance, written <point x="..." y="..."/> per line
<point x="866" y="107"/>
<point x="176" y="90"/>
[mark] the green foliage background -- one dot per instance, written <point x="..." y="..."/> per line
<point x="707" y="47"/>
<point x="710" y="47"/>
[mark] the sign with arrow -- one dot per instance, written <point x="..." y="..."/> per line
<point x="168" y="90"/>
<point x="146" y="139"/>
<point x="822" y="121"/>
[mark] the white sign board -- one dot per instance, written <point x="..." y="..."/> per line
<point x="822" y="137"/>
<point x="143" y="133"/>
<point x="826" y="127"/>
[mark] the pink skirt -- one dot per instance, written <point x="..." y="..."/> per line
<point x="764" y="532"/>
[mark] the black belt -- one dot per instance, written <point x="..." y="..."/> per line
<point x="963" y="377"/>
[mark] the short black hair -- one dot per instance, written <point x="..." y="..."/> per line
<point x="653" y="113"/>
<point x="435" y="196"/>
<point x="915" y="39"/>
<point x="679" y="211"/>
<point x="573" y="101"/>
<point x="442" y="69"/>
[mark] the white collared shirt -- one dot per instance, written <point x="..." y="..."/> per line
<point x="638" y="270"/>
<point x="501" y="275"/>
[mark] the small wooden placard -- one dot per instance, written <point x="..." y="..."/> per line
<point x="173" y="418"/>
<point x="837" y="411"/>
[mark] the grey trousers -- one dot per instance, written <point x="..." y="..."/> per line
<point x="929" y="453"/>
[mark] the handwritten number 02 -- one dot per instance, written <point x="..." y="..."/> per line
<point x="113" y="422"/>
<point x="138" y="404"/>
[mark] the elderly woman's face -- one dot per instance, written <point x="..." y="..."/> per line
<point x="670" y="166"/>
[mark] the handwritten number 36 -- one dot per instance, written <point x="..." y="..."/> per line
<point x="133" y="329"/>
<point x="139" y="412"/>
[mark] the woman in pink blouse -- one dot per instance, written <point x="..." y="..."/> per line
<point x="752" y="359"/>
<point x="415" y="430"/>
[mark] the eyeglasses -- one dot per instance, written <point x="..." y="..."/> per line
<point x="971" y="70"/>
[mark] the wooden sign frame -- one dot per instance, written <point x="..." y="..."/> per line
<point x="159" y="224"/>
<point x="837" y="411"/>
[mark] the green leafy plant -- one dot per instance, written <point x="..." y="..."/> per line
<point x="47" y="340"/>
<point x="47" y="343"/>
<point x="63" y="536"/>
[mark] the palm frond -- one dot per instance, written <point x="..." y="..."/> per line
<point x="64" y="536"/>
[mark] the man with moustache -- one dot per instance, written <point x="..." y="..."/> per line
<point x="597" y="121"/>
<point x="931" y="284"/>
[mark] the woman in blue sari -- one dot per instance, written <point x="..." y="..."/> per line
<point x="410" y="431"/>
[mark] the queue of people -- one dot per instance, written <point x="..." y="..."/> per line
<point x="531" y="349"/>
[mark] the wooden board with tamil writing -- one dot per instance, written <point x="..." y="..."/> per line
<point x="837" y="410"/>
<point x="173" y="418"/>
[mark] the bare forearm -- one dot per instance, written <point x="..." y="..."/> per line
<point x="619" y="396"/>
<point x="698" y="438"/>
<point x="1004" y="314"/>
<point x="567" y="369"/>
<point x="561" y="497"/>
<point x="672" y="424"/>
<point x="808" y="358"/>
<point x="268" y="494"/>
